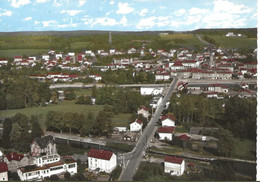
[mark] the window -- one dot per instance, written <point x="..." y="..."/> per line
<point x="72" y="165"/>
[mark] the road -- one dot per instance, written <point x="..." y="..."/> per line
<point x="203" y="41"/>
<point x="137" y="153"/>
<point x="190" y="81"/>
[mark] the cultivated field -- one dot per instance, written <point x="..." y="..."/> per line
<point x="234" y="42"/>
<point x="20" y="52"/>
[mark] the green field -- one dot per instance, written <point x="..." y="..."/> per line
<point x="19" y="52"/>
<point x="234" y="42"/>
<point x="66" y="106"/>
<point x="186" y="40"/>
<point x="244" y="149"/>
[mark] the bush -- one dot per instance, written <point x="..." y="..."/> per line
<point x="115" y="174"/>
<point x="54" y="178"/>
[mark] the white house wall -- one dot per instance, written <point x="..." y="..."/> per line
<point x="168" y="122"/>
<point x="176" y="169"/>
<point x="168" y="136"/>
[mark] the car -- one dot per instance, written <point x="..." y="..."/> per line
<point x="203" y="138"/>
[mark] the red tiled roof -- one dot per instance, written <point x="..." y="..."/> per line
<point x="175" y="160"/>
<point x="3" y="167"/>
<point x="184" y="137"/>
<point x="168" y="129"/>
<point x="138" y="121"/>
<point x="100" y="154"/>
<point x="171" y="117"/>
<point x="178" y="64"/>
<point x="144" y="108"/>
<point x="14" y="156"/>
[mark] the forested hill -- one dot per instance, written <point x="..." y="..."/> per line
<point x="246" y="31"/>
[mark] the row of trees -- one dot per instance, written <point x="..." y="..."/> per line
<point x="101" y="125"/>
<point x="19" y="131"/>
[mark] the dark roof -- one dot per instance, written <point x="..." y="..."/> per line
<point x="168" y="116"/>
<point x="100" y="154"/>
<point x="175" y="160"/>
<point x="166" y="129"/>
<point x="138" y="121"/>
<point x="14" y="156"/>
<point x="184" y="137"/>
<point x="43" y="142"/>
<point x="3" y="167"/>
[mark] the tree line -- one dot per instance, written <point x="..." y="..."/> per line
<point x="19" y="130"/>
<point x="237" y="115"/>
<point x="76" y="123"/>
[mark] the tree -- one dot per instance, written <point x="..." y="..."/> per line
<point x="7" y="129"/>
<point x="69" y="95"/>
<point x="103" y="125"/>
<point x="94" y="91"/>
<point x="225" y="143"/>
<point x="36" y="128"/>
<point x="15" y="136"/>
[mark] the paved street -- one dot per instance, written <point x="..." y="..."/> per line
<point x="136" y="155"/>
<point x="190" y="81"/>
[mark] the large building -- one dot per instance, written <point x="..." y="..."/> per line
<point x="44" y="145"/>
<point x="105" y="161"/>
<point x="53" y="165"/>
<point x="174" y="165"/>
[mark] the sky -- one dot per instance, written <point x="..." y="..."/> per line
<point x="126" y="15"/>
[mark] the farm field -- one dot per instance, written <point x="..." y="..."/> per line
<point x="186" y="40"/>
<point x="10" y="53"/>
<point x="234" y="42"/>
<point x="65" y="106"/>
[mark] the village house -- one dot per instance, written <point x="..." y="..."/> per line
<point x="18" y="59"/>
<point x="136" y="125"/>
<point x="151" y="90"/>
<point x="165" y="76"/>
<point x="103" y="160"/>
<point x="166" y="133"/>
<point x="3" y="61"/>
<point x="168" y="120"/>
<point x="143" y="111"/>
<point x="96" y="77"/>
<point x="217" y="88"/>
<point x="45" y="145"/>
<point x="14" y="160"/>
<point x="36" y="173"/>
<point x="174" y="165"/>
<point x="3" y="171"/>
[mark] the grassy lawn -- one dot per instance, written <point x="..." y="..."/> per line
<point x="189" y="40"/>
<point x="80" y="92"/>
<point x="234" y="42"/>
<point x="15" y="52"/>
<point x="65" y="106"/>
<point x="244" y="148"/>
<point x="121" y="119"/>
<point x="181" y="129"/>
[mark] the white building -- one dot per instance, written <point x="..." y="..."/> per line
<point x="3" y="171"/>
<point x="168" y="120"/>
<point x="156" y="101"/>
<point x="143" y="111"/>
<point x="104" y="160"/>
<point x="34" y="172"/>
<point x="151" y="90"/>
<point x="166" y="133"/>
<point x="96" y="77"/>
<point x="174" y="165"/>
<point x="136" y="125"/>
